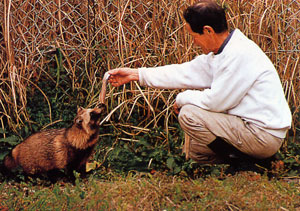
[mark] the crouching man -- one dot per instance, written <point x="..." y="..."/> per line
<point x="234" y="100"/>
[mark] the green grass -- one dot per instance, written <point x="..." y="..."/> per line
<point x="158" y="191"/>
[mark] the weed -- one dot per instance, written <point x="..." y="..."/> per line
<point x="155" y="192"/>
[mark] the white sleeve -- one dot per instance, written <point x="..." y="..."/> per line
<point x="193" y="75"/>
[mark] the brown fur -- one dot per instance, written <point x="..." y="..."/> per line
<point x="67" y="148"/>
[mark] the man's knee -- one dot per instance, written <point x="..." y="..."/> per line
<point x="187" y="116"/>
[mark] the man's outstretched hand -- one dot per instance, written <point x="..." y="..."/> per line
<point x="120" y="76"/>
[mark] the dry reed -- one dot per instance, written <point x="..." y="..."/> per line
<point x="112" y="33"/>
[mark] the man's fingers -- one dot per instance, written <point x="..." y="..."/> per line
<point x="114" y="81"/>
<point x="114" y="71"/>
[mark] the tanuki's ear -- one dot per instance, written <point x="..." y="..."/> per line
<point x="97" y="112"/>
<point x="79" y="109"/>
<point x="100" y="108"/>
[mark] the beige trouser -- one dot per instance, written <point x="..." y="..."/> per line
<point x="202" y="127"/>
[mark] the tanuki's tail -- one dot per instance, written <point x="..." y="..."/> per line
<point x="9" y="162"/>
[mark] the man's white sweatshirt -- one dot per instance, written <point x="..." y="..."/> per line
<point x="241" y="81"/>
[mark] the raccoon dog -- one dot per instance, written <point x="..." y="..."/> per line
<point x="67" y="148"/>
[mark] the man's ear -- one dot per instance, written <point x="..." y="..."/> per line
<point x="208" y="30"/>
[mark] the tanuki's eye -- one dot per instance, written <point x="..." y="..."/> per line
<point x="78" y="121"/>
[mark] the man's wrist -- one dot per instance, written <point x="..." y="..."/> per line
<point x="134" y="74"/>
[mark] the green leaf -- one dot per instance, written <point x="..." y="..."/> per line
<point x="177" y="170"/>
<point x="2" y="155"/>
<point x="170" y="163"/>
<point x="144" y="143"/>
<point x="12" y="140"/>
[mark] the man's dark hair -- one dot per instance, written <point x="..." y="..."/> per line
<point x="206" y="13"/>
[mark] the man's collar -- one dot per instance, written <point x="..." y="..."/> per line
<point x="224" y="43"/>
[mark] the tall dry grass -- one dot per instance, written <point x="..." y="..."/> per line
<point x="114" y="33"/>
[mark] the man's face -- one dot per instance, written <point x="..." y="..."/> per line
<point x="201" y="40"/>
